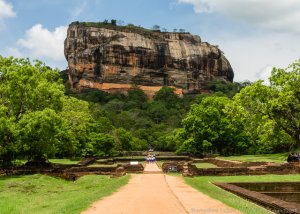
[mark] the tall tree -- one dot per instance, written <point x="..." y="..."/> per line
<point x="37" y="134"/>
<point x="279" y="102"/>
<point x="284" y="107"/>
<point x="78" y="118"/>
<point x="211" y="125"/>
<point x="25" y="88"/>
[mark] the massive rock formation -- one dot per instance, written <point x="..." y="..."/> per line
<point x="112" y="59"/>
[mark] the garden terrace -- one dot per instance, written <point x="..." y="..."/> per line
<point x="280" y="197"/>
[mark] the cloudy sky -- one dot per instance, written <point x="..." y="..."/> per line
<point x="255" y="35"/>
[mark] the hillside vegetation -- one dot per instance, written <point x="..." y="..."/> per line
<point x="41" y="119"/>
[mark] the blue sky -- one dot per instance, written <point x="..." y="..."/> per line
<point x="255" y="35"/>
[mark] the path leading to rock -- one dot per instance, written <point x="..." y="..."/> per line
<point x="157" y="193"/>
<point x="194" y="201"/>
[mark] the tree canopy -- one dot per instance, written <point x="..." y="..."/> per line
<point x="40" y="119"/>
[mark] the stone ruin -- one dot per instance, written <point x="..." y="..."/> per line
<point x="293" y="157"/>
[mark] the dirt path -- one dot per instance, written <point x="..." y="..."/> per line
<point x="194" y="201"/>
<point x="157" y="193"/>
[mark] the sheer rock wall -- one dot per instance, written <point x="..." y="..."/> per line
<point x="114" y="59"/>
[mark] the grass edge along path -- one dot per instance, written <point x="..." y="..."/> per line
<point x="204" y="185"/>
<point x="37" y="193"/>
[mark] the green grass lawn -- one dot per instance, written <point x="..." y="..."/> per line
<point x="44" y="194"/>
<point x="204" y="184"/>
<point x="205" y="165"/>
<point x="63" y="161"/>
<point x="276" y="158"/>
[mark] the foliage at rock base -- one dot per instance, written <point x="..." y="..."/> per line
<point x="40" y="119"/>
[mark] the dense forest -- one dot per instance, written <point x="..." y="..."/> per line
<point x="41" y="118"/>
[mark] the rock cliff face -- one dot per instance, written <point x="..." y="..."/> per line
<point x="115" y="58"/>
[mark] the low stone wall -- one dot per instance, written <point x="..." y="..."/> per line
<point x="139" y="168"/>
<point x="128" y="159"/>
<point x="168" y="164"/>
<point x="219" y="163"/>
<point x="165" y="153"/>
<point x="229" y="163"/>
<point x="87" y="161"/>
<point x="274" y="204"/>
<point x="105" y="161"/>
<point x="172" y="158"/>
<point x="92" y="169"/>
<point x="287" y="168"/>
<point x="69" y="173"/>
<point x="221" y="171"/>
<point x="132" y="153"/>
<point x="2" y="172"/>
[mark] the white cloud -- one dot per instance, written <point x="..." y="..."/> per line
<point x="39" y="42"/>
<point x="269" y="39"/>
<point x="6" y="11"/>
<point x="252" y="57"/>
<point x="200" y="6"/>
<point x="265" y="73"/>
<point x="277" y="15"/>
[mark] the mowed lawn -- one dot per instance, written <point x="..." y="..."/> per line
<point x="204" y="184"/>
<point x="205" y="165"/>
<point x="44" y="194"/>
<point x="275" y="158"/>
<point x="64" y="161"/>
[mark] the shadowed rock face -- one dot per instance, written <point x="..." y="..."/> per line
<point x="113" y="59"/>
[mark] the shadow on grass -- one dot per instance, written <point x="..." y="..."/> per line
<point x="7" y="177"/>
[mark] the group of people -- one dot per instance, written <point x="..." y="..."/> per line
<point x="150" y="158"/>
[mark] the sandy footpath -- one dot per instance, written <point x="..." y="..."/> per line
<point x="157" y="194"/>
<point x="194" y="201"/>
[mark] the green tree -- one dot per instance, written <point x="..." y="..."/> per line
<point x="211" y="125"/>
<point x="278" y="104"/>
<point x="136" y="98"/>
<point x="115" y="105"/>
<point x="139" y="144"/>
<point x="101" y="125"/>
<point x="102" y="144"/>
<point x="158" y="112"/>
<point x="123" y="139"/>
<point x="284" y="105"/>
<point x="226" y="88"/>
<point x="167" y="96"/>
<point x="113" y="22"/>
<point x="37" y="134"/>
<point x="25" y="89"/>
<point x="78" y="118"/>
<point x="8" y="147"/>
